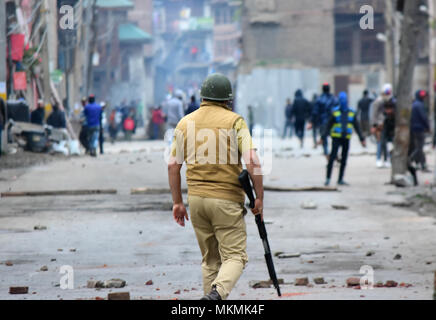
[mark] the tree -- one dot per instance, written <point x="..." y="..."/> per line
<point x="413" y="24"/>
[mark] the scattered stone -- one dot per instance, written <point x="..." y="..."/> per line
<point x="259" y="284"/>
<point x="379" y="284"/>
<point x="397" y="257"/>
<point x="9" y="264"/>
<point x="352" y="282"/>
<point x="339" y="207"/>
<point x="319" y="280"/>
<point x="405" y="285"/>
<point x="289" y="255"/>
<point x="301" y="281"/>
<point x="391" y="284"/>
<point x="118" y="296"/>
<point x="149" y="283"/>
<point x="18" y="290"/>
<point x="370" y="253"/>
<point x="39" y="228"/>
<point x="114" y="283"/>
<point x="309" y="205"/>
<point x="44" y="268"/>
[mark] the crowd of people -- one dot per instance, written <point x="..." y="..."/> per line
<point x="175" y="109"/>
<point x="331" y="117"/>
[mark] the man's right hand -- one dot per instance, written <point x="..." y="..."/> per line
<point x="180" y="213"/>
<point x="258" y="208"/>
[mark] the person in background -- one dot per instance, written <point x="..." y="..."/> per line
<point x="250" y="119"/>
<point x="322" y="112"/>
<point x="363" y="112"/>
<point x="57" y="118"/>
<point x="315" y="122"/>
<point x="340" y="125"/>
<point x="93" y="114"/>
<point x="300" y="112"/>
<point x="158" y="119"/>
<point x="37" y="116"/>
<point x="102" y="124"/>
<point x="288" y="115"/>
<point x="2" y="122"/>
<point x="377" y="120"/>
<point x="83" y="135"/>
<point x="419" y="126"/>
<point x="193" y="105"/>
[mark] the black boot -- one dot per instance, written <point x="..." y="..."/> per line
<point x="213" y="295"/>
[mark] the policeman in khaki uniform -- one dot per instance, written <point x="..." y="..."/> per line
<point x="212" y="141"/>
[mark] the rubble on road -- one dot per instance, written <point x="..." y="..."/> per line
<point x="339" y="207"/>
<point x="257" y="284"/>
<point x="112" y="283"/>
<point x="301" y="281"/>
<point x="309" y="205"/>
<point x="118" y="296"/>
<point x="18" y="290"/>
<point x="288" y="255"/>
<point x="352" y="282"/>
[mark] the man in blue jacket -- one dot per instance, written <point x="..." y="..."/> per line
<point x="93" y="113"/>
<point x="419" y="126"/>
<point x="321" y="114"/>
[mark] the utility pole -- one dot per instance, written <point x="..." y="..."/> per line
<point x="390" y="44"/>
<point x="92" y="47"/>
<point x="3" y="72"/>
<point x="412" y="25"/>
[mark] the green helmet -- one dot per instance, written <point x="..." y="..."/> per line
<point x="217" y="87"/>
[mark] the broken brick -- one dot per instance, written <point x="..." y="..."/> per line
<point x="391" y="284"/>
<point x="118" y="296"/>
<point x="301" y="281"/>
<point x="18" y="290"/>
<point x="351" y="282"/>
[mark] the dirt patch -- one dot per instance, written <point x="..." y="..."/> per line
<point x="422" y="200"/>
<point x="25" y="159"/>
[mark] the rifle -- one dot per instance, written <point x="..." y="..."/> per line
<point x="244" y="179"/>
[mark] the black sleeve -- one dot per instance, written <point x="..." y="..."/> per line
<point x="329" y="126"/>
<point x="357" y="128"/>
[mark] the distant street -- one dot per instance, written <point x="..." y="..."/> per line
<point x="134" y="237"/>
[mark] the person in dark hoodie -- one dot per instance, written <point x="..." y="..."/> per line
<point x="340" y="125"/>
<point x="300" y="112"/>
<point x="57" y="118"/>
<point x="419" y="126"/>
<point x="321" y="114"/>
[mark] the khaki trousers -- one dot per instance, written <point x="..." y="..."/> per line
<point x="221" y="234"/>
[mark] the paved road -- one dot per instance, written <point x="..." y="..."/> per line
<point x="133" y="237"/>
